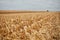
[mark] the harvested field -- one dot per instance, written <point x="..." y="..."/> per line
<point x="29" y="25"/>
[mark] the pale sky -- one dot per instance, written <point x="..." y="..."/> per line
<point x="52" y="5"/>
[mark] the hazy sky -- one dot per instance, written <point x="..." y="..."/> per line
<point x="52" y="5"/>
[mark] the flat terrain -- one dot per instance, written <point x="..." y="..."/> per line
<point x="29" y="25"/>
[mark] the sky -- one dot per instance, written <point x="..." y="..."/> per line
<point x="52" y="5"/>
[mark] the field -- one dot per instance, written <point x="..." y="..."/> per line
<point x="28" y="25"/>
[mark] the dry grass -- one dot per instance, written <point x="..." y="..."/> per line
<point x="30" y="26"/>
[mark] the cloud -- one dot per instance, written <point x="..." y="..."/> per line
<point x="30" y="4"/>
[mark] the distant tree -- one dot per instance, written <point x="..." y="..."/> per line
<point x="47" y="11"/>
